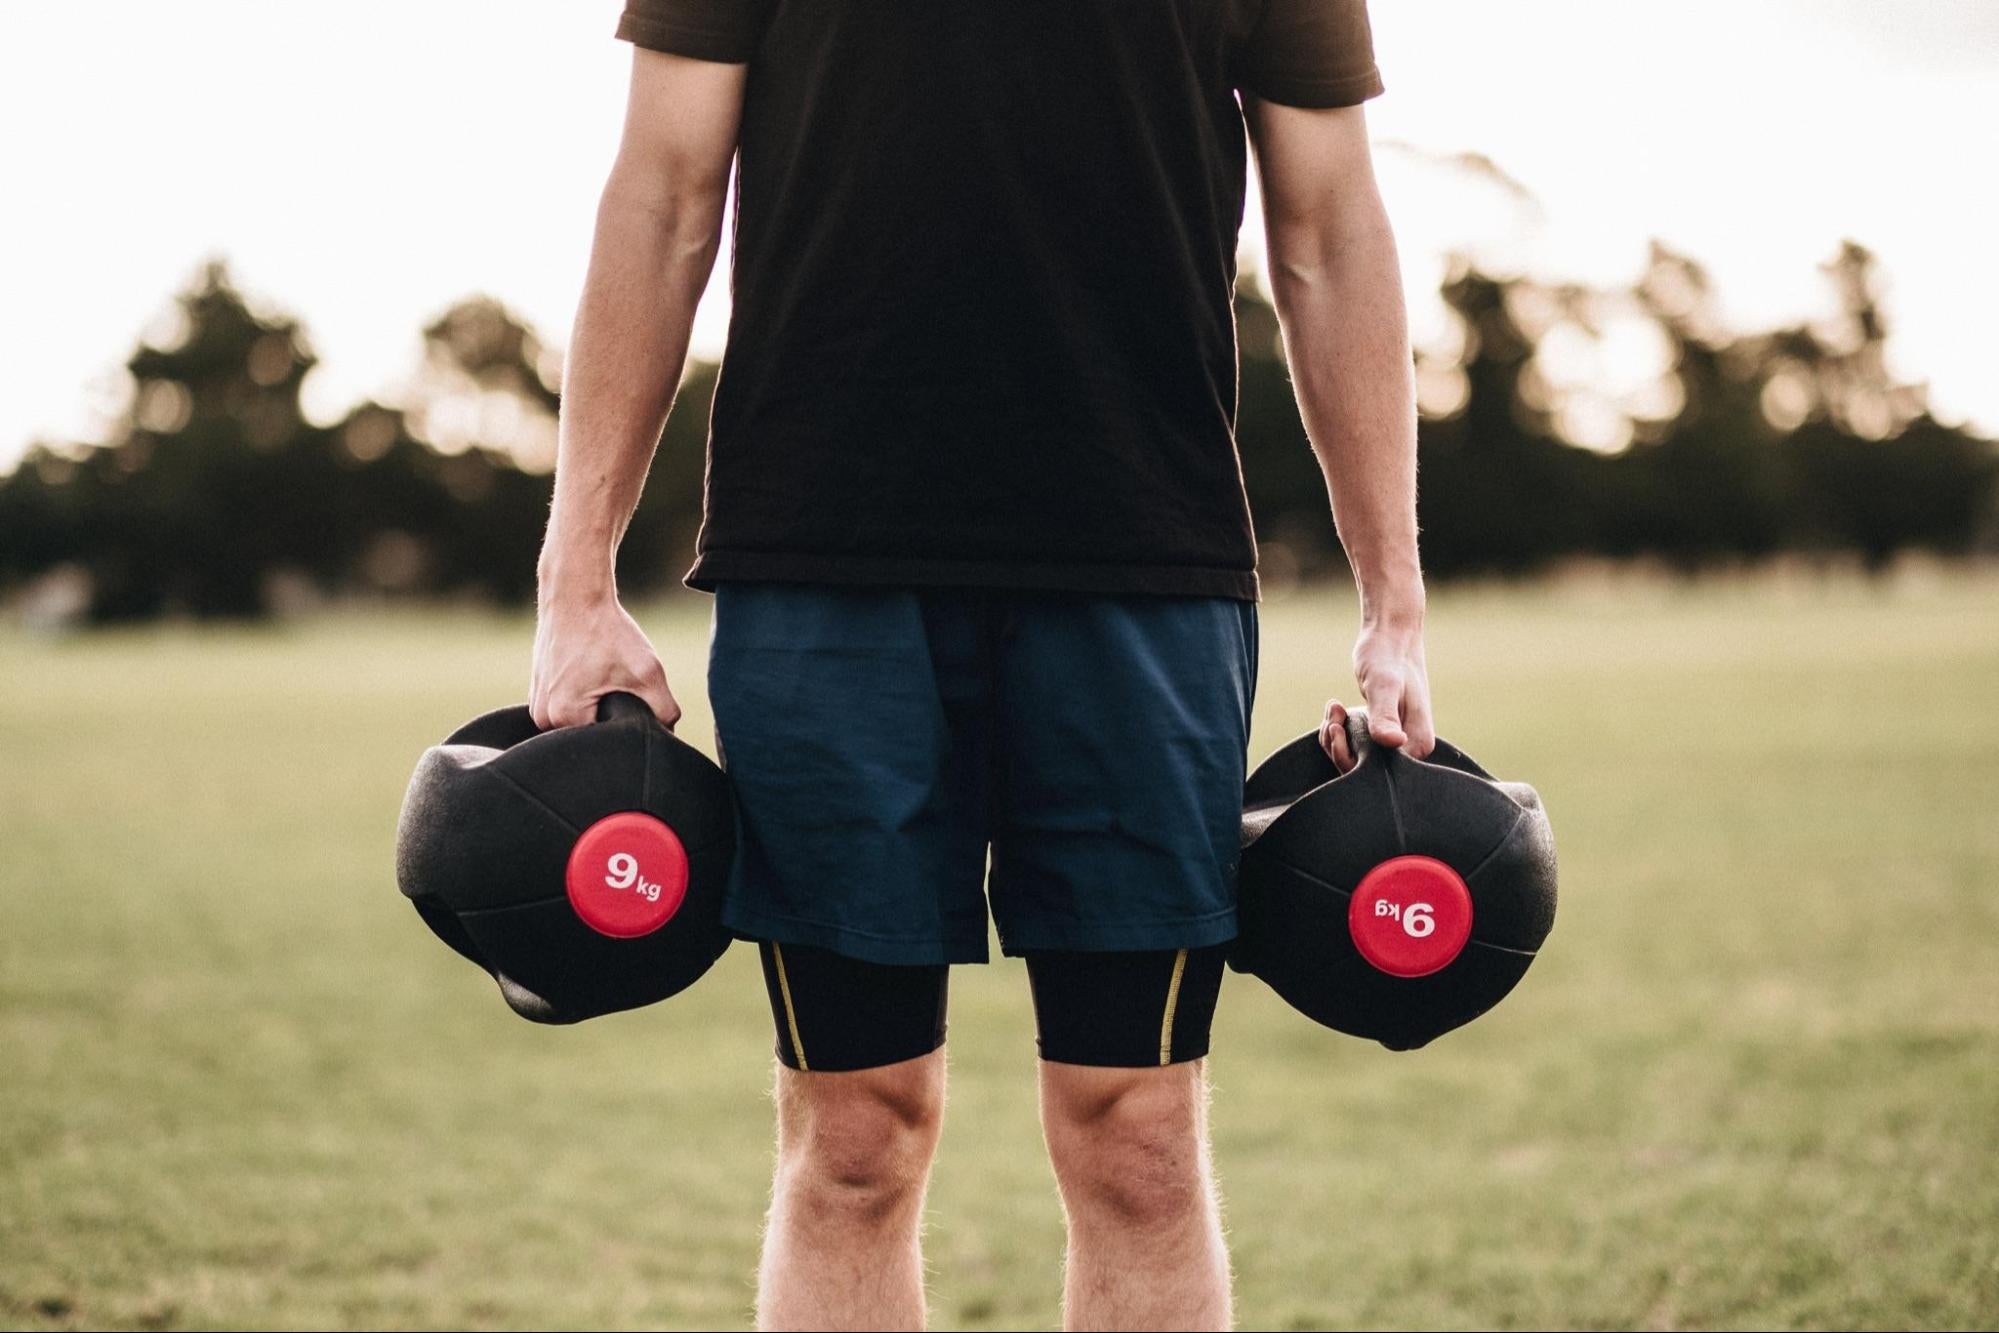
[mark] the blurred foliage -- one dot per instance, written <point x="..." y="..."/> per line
<point x="1735" y="449"/>
<point x="1562" y="422"/>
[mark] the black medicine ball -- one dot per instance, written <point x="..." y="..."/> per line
<point x="582" y="867"/>
<point x="1397" y="902"/>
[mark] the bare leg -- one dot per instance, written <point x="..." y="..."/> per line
<point x="1130" y="1150"/>
<point x="841" y="1250"/>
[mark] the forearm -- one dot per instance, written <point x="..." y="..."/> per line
<point x="650" y="259"/>
<point x="1338" y="291"/>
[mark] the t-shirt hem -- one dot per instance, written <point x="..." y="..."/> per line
<point x="682" y="39"/>
<point x="713" y="567"/>
<point x="1319" y="94"/>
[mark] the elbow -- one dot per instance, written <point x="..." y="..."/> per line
<point x="680" y="217"/>
<point x="672" y="189"/>
<point x="1294" y="274"/>
<point x="1305" y="269"/>
<point x="662" y="200"/>
<point x="1309" y="255"/>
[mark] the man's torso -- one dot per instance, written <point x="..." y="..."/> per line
<point x="984" y="267"/>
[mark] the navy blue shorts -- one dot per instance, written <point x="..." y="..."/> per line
<point x="881" y="741"/>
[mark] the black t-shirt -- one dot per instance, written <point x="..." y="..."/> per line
<point x="983" y="330"/>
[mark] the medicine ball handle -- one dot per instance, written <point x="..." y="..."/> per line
<point x="1358" y="736"/>
<point x="1443" y="755"/>
<point x="623" y="706"/>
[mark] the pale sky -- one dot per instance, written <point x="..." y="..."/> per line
<point x="364" y="164"/>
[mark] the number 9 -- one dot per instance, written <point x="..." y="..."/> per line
<point x="1418" y="921"/>
<point x="624" y="868"/>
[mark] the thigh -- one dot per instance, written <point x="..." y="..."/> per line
<point x="1122" y="742"/>
<point x="852" y="725"/>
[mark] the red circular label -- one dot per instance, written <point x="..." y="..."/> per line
<point x="1410" y="916"/>
<point x="627" y="875"/>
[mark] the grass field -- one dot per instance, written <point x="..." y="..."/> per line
<point x="1754" y="1079"/>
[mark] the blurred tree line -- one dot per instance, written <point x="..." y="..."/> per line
<point x="1560" y="422"/>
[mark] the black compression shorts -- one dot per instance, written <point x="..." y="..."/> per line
<point x="1116" y="1010"/>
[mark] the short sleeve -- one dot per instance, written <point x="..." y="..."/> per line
<point x="723" y="30"/>
<point x="1309" y="53"/>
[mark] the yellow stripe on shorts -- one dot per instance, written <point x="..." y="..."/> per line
<point x="791" y="1015"/>
<point x="1172" y="1002"/>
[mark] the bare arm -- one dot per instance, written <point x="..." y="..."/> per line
<point x="1338" y="291"/>
<point x="658" y="230"/>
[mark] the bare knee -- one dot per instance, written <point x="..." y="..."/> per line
<point x="1128" y="1145"/>
<point x="855" y="1148"/>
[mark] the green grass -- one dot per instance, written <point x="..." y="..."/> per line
<point x="1754" y="1079"/>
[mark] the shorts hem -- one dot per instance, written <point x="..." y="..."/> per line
<point x="1197" y="932"/>
<point x="895" y="950"/>
<point x="855" y="1066"/>
<point x="1088" y="1063"/>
